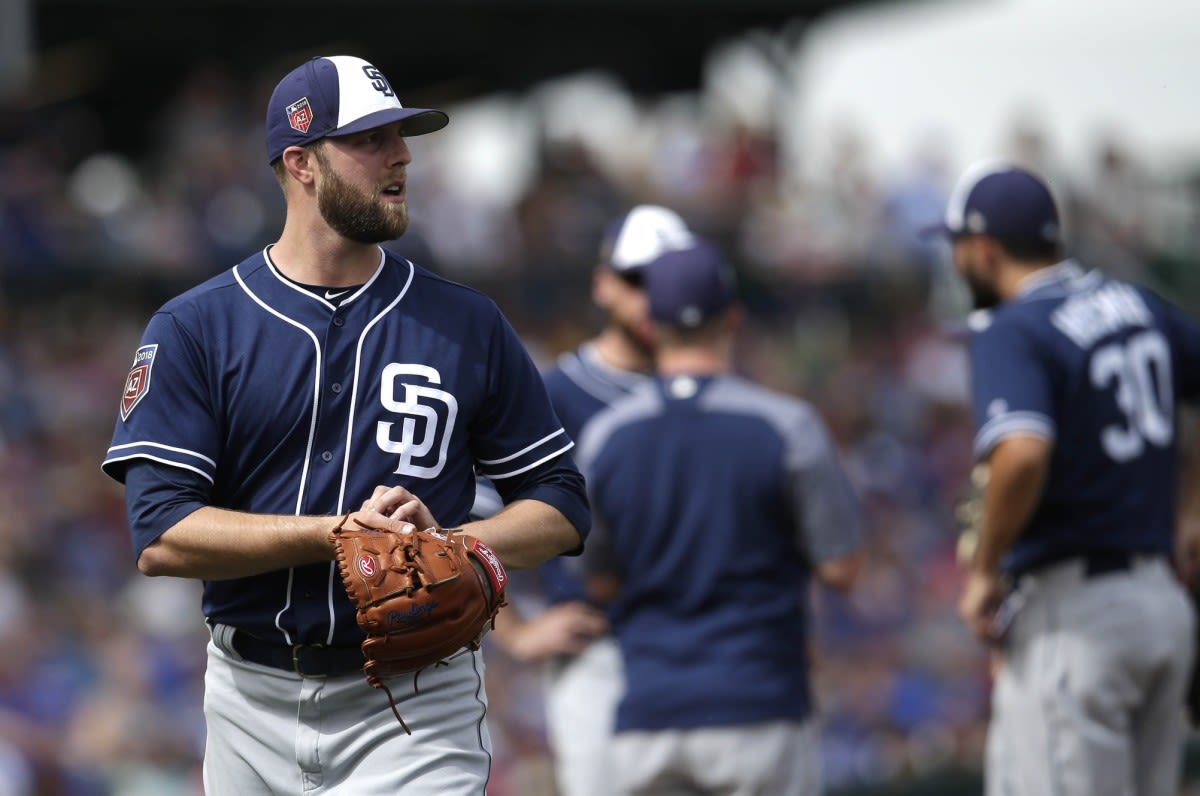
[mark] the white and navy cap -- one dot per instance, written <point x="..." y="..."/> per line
<point x="686" y="287"/>
<point x="645" y="232"/>
<point x="1002" y="201"/>
<point x="338" y="95"/>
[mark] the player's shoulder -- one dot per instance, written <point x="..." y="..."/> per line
<point x="1023" y="317"/>
<point x="430" y="285"/>
<point x="1041" y="293"/>
<point x="563" y="365"/>
<point x="642" y="401"/>
<point x="735" y="393"/>
<point x="640" y="404"/>
<point x="555" y="375"/>
<point x="214" y="290"/>
<point x="583" y="370"/>
<point x="1161" y="302"/>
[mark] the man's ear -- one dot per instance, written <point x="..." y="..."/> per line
<point x="300" y="163"/>
<point x="602" y="286"/>
<point x="989" y="252"/>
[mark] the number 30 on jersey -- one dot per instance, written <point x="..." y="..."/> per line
<point x="1140" y="369"/>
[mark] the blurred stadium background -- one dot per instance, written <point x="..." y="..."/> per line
<point x="811" y="138"/>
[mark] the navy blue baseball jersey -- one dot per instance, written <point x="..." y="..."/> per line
<point x="580" y="384"/>
<point x="1095" y="366"/>
<point x="256" y="394"/>
<point x="712" y="500"/>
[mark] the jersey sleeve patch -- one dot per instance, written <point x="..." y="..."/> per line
<point x="137" y="383"/>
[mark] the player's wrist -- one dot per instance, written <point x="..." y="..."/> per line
<point x="984" y="574"/>
<point x="985" y="562"/>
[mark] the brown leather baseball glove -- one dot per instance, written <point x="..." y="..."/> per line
<point x="421" y="597"/>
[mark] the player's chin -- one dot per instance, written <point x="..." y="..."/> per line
<point x="397" y="219"/>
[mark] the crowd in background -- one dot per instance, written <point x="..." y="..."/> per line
<point x="849" y="307"/>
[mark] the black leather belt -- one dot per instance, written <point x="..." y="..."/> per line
<point x="1106" y="562"/>
<point x="1095" y="563"/>
<point x="308" y="660"/>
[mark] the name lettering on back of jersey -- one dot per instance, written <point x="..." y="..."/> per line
<point x="429" y="413"/>
<point x="137" y="383"/>
<point x="1087" y="317"/>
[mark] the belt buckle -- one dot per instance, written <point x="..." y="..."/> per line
<point x="296" y="665"/>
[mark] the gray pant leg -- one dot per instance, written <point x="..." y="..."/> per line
<point x="1096" y="669"/>
<point x="1160" y="726"/>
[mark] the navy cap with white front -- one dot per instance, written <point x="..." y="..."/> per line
<point x="637" y="237"/>
<point x="338" y="95"/>
<point x="686" y="287"/>
<point x="1002" y="201"/>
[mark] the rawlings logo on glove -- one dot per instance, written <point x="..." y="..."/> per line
<point x="421" y="597"/>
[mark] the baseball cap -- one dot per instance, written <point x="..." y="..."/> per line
<point x="338" y="95"/>
<point x="1002" y="201"/>
<point x="635" y="238"/>
<point x="686" y="287"/>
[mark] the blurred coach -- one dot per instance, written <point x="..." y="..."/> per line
<point x="715" y="503"/>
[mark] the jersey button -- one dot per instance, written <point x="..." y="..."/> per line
<point x="339" y="321"/>
<point x="336" y="386"/>
<point x="327" y="456"/>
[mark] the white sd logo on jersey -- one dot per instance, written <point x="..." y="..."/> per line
<point x="424" y="435"/>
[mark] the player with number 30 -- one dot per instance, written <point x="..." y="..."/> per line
<point x="1075" y="378"/>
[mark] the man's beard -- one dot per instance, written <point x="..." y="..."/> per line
<point x="642" y="339"/>
<point x="983" y="296"/>
<point x="357" y="215"/>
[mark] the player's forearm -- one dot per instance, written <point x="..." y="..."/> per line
<point x="526" y="533"/>
<point x="216" y="544"/>
<point x="1017" y="473"/>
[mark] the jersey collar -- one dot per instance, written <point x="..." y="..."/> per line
<point x="1052" y="276"/>
<point x="591" y="358"/>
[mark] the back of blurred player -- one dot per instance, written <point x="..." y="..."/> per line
<point x="1075" y="382"/>
<point x="584" y="675"/>
<point x="715" y="504"/>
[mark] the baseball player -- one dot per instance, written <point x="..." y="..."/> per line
<point x="318" y="378"/>
<point x="716" y="503"/>
<point x="567" y="631"/>
<point x="1075" y="383"/>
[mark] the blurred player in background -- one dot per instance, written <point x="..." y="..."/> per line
<point x="1076" y="377"/>
<point x="715" y="503"/>
<point x="561" y="626"/>
<point x="324" y="377"/>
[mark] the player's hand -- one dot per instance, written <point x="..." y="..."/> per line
<point x="402" y="507"/>
<point x="1187" y="552"/>
<point x="564" y="629"/>
<point x="981" y="598"/>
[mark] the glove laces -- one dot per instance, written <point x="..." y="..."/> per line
<point x="416" y="690"/>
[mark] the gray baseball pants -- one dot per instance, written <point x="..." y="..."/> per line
<point x="1088" y="700"/>
<point x="275" y="732"/>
